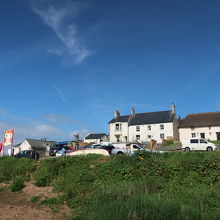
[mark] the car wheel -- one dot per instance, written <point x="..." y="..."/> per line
<point x="120" y="153"/>
<point x="187" y="149"/>
<point x="209" y="149"/>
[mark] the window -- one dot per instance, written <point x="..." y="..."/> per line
<point x="202" y="141"/>
<point x="137" y="128"/>
<point x="193" y="135"/>
<point x="202" y="135"/>
<point x="149" y="127"/>
<point x="161" y="127"/>
<point x="162" y="136"/>
<point x="218" y="136"/>
<point x="118" y="127"/>
<point x="137" y="137"/>
<point x="126" y="138"/>
<point x="149" y="136"/>
<point x="194" y="141"/>
<point x="135" y="147"/>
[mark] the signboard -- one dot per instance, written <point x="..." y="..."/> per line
<point x="8" y="137"/>
<point x="8" y="142"/>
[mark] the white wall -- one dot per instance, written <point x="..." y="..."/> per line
<point x="122" y="133"/>
<point x="210" y="133"/>
<point x="154" y="132"/>
<point x="96" y="141"/>
<point x="25" y="146"/>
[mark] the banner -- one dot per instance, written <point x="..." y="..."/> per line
<point x="8" y="137"/>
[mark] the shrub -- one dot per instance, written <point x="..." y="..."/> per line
<point x="17" y="184"/>
<point x="35" y="198"/>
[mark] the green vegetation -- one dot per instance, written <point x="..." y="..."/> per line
<point x="145" y="186"/>
<point x="35" y="199"/>
<point x="17" y="183"/>
<point x="11" y="167"/>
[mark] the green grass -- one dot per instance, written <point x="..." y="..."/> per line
<point x="146" y="186"/>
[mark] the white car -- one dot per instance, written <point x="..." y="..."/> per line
<point x="198" y="144"/>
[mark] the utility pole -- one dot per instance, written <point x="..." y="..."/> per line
<point x="77" y="141"/>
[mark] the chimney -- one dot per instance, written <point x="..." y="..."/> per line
<point x="116" y="114"/>
<point x="173" y="108"/>
<point x="132" y="112"/>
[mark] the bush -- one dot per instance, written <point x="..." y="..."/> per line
<point x="17" y="184"/>
<point x="11" y="167"/>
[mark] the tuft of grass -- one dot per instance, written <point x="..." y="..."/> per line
<point x="35" y="199"/>
<point x="17" y="184"/>
<point x="52" y="201"/>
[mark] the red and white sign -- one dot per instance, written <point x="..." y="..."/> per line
<point x="8" y="137"/>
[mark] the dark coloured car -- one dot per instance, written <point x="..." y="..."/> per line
<point x="32" y="154"/>
<point x="54" y="150"/>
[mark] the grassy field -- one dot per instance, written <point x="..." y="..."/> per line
<point x="145" y="186"/>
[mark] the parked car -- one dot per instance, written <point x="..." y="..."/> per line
<point x="198" y="144"/>
<point x="32" y="154"/>
<point x="67" y="151"/>
<point x="108" y="148"/>
<point x="127" y="149"/>
<point x="54" y="150"/>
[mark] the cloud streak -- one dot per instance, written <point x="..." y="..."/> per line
<point x="60" y="93"/>
<point x="56" y="18"/>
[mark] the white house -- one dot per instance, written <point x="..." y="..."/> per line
<point x="96" y="138"/>
<point x="29" y="144"/>
<point x="200" y="125"/>
<point x="143" y="127"/>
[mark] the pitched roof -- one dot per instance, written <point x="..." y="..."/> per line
<point x="146" y="118"/>
<point x="95" y="136"/>
<point x="152" y="118"/>
<point x="40" y="143"/>
<point x="123" y="118"/>
<point x="201" y="120"/>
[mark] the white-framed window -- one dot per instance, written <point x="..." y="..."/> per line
<point x="149" y="136"/>
<point x="138" y="137"/>
<point x="149" y="127"/>
<point x="193" y="135"/>
<point x="161" y="127"/>
<point x="162" y="136"/>
<point x="137" y="128"/>
<point x="118" y="127"/>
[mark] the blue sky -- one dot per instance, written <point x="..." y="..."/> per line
<point x="66" y="65"/>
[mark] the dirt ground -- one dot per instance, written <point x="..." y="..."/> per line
<point x="19" y="206"/>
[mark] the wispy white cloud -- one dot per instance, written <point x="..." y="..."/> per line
<point x="63" y="119"/>
<point x="60" y="93"/>
<point x="37" y="128"/>
<point x="56" y="19"/>
<point x="82" y="133"/>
